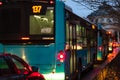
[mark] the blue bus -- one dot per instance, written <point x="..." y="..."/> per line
<point x="103" y="43"/>
<point x="47" y="34"/>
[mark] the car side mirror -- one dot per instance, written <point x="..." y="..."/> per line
<point x="35" y="68"/>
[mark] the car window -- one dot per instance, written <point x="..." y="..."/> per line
<point x="4" y="68"/>
<point x="20" y="66"/>
<point x="3" y="63"/>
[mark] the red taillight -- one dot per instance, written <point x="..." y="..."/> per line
<point x="100" y="48"/>
<point x="1" y="3"/>
<point x="61" y="56"/>
<point x="51" y="1"/>
<point x="114" y="45"/>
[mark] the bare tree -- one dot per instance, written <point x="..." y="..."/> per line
<point x="113" y="5"/>
<point x="94" y="4"/>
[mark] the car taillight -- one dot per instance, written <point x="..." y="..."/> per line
<point x="35" y="76"/>
<point x="114" y="45"/>
<point x="61" y="56"/>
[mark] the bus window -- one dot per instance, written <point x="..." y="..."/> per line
<point x="81" y="36"/>
<point x="27" y="23"/>
<point x="9" y="19"/>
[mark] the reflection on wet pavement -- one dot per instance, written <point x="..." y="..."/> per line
<point x="112" y="70"/>
<point x="108" y="70"/>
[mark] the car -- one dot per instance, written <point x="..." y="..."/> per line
<point x="12" y="67"/>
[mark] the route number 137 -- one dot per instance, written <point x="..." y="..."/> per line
<point x="36" y="9"/>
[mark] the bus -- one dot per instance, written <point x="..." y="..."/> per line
<point x="47" y="34"/>
<point x="103" y="41"/>
<point x="81" y="45"/>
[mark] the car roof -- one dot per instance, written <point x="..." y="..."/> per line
<point x="5" y="54"/>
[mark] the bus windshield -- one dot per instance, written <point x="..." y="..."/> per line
<point x="42" y="24"/>
<point x="33" y="23"/>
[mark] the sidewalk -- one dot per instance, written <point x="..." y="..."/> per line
<point x="92" y="75"/>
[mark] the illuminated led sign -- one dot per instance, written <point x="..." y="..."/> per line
<point x="36" y="9"/>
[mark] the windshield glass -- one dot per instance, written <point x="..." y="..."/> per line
<point x="42" y="24"/>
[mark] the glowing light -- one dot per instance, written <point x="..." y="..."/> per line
<point x="48" y="38"/>
<point x="36" y="9"/>
<point x="51" y="2"/>
<point x="110" y="43"/>
<point x="77" y="47"/>
<point x="100" y="48"/>
<point x="25" y="38"/>
<point x="112" y="55"/>
<point x="24" y="57"/>
<point x="61" y="56"/>
<point x="110" y="48"/>
<point x="51" y="11"/>
<point x="55" y="76"/>
<point x="52" y="21"/>
<point x="109" y="32"/>
<point x="99" y="55"/>
<point x="38" y="17"/>
<point x="93" y="26"/>
<point x="1" y="3"/>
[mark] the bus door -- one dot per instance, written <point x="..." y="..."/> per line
<point x="71" y="50"/>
